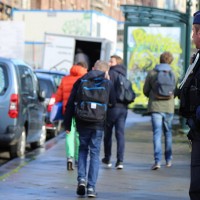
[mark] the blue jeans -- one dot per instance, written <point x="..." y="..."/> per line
<point x="116" y="118"/>
<point x="90" y="145"/>
<point x="162" y="122"/>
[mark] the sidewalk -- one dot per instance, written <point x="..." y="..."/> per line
<point x="44" y="177"/>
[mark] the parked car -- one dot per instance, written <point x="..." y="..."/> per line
<point x="22" y="111"/>
<point x="49" y="82"/>
<point x="57" y="75"/>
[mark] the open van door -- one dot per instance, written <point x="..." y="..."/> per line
<point x="58" y="52"/>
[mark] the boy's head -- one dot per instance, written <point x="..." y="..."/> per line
<point x="82" y="64"/>
<point x="101" y="65"/>
<point x="115" y="60"/>
<point x="166" y="57"/>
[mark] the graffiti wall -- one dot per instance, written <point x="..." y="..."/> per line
<point x="144" y="46"/>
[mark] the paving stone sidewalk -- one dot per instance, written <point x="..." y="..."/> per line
<point x="44" y="177"/>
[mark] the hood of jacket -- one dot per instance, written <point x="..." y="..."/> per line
<point x="119" y="69"/>
<point x="77" y="70"/>
<point x="94" y="74"/>
<point x="163" y="67"/>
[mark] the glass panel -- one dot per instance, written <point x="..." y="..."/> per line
<point x="3" y="80"/>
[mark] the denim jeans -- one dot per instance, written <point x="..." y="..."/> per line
<point x="90" y="145"/>
<point x="162" y="122"/>
<point x="116" y="118"/>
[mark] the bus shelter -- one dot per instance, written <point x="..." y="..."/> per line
<point x="148" y="32"/>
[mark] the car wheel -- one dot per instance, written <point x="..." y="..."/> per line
<point x="41" y="141"/>
<point x="53" y="133"/>
<point x="19" y="149"/>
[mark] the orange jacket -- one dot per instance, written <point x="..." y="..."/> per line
<point x="67" y="82"/>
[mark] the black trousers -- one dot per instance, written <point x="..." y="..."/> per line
<point x="194" y="190"/>
<point x="116" y="118"/>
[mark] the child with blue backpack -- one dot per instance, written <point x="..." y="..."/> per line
<point x="89" y="107"/>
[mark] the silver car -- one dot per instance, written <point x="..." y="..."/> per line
<point x="22" y="111"/>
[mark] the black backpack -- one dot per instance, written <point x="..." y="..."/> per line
<point x="165" y="85"/>
<point x="124" y="91"/>
<point x="92" y="100"/>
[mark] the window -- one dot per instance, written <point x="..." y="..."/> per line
<point x="57" y="79"/>
<point x="118" y="3"/>
<point x="27" y="86"/>
<point x="3" y="80"/>
<point x="47" y="86"/>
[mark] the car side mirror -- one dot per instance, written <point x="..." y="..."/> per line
<point x="42" y="95"/>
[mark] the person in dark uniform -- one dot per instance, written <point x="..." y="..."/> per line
<point x="190" y="109"/>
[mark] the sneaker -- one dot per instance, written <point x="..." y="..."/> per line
<point x="156" y="166"/>
<point x="168" y="163"/>
<point x="81" y="187"/>
<point x="70" y="164"/>
<point x="91" y="192"/>
<point x="106" y="162"/>
<point x="119" y="165"/>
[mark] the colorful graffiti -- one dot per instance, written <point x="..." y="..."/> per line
<point x="144" y="46"/>
<point x="77" y="25"/>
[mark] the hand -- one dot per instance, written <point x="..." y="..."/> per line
<point x="67" y="132"/>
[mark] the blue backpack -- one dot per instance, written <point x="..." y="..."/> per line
<point x="165" y="85"/>
<point x="92" y="100"/>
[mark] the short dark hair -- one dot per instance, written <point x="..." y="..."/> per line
<point x="82" y="64"/>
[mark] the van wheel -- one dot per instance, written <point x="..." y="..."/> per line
<point x="53" y="133"/>
<point x="19" y="149"/>
<point x="41" y="141"/>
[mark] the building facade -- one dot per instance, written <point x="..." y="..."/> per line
<point x="110" y="8"/>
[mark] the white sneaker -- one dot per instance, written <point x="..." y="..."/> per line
<point x="168" y="163"/>
<point x="69" y="164"/>
<point x="107" y="163"/>
<point x="119" y="165"/>
<point x="156" y="166"/>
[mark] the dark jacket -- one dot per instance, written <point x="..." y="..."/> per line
<point x="114" y="72"/>
<point x="70" y="107"/>
<point x="189" y="91"/>
<point x="190" y="98"/>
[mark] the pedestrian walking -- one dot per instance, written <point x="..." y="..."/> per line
<point x="62" y="95"/>
<point x="116" y="118"/>
<point x="88" y="102"/>
<point x="159" y="87"/>
<point x="81" y="56"/>
<point x="190" y="109"/>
